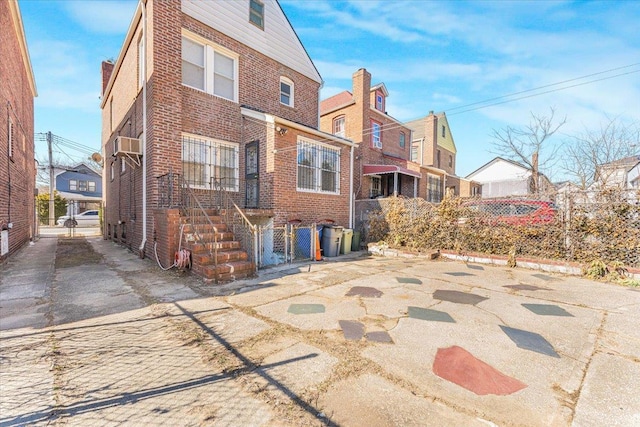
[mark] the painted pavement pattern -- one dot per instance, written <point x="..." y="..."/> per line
<point x="352" y="342"/>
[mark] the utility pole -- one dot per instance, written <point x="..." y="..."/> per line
<point x="52" y="208"/>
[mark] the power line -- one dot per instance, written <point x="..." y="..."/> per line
<point x="548" y="85"/>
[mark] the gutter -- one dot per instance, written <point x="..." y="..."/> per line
<point x="144" y="130"/>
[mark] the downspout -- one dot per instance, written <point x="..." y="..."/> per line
<point x="144" y="130"/>
<point x="351" y="189"/>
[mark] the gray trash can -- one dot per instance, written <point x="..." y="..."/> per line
<point x="345" y="246"/>
<point x="331" y="240"/>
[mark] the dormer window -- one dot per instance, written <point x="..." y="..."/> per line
<point x="256" y="13"/>
<point x="379" y="102"/>
<point x="286" y="91"/>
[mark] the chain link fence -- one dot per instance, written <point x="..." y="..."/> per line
<point x="285" y="244"/>
<point x="578" y="226"/>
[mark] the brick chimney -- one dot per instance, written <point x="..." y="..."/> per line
<point x="107" y="69"/>
<point x="362" y="88"/>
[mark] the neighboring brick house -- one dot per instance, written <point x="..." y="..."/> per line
<point x="17" y="162"/>
<point x="381" y="167"/>
<point x="81" y="186"/>
<point x="227" y="96"/>
<point x="434" y="148"/>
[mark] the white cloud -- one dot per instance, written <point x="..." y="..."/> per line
<point x="102" y="17"/>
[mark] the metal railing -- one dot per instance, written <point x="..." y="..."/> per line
<point x="175" y="192"/>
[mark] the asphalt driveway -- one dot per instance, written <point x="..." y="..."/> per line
<point x="108" y="339"/>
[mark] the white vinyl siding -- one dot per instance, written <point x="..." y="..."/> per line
<point x="277" y="41"/>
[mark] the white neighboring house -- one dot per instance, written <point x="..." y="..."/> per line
<point x="622" y="173"/>
<point x="504" y="178"/>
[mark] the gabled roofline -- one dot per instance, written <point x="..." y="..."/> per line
<point x="339" y="107"/>
<point x="137" y="15"/>
<point x="380" y="86"/>
<point x="18" y="26"/>
<point x="495" y="159"/>
<point x="301" y="44"/>
<point x="269" y="118"/>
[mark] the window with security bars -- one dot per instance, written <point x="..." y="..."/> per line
<point x="434" y="189"/>
<point x="209" y="163"/>
<point x="318" y="167"/>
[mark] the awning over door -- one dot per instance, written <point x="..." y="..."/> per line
<point x="382" y="169"/>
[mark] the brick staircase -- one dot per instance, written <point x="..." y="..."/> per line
<point x="200" y="238"/>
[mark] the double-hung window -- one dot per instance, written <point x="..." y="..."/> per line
<point x="193" y="66"/>
<point x="318" y="167"/>
<point x="402" y="140"/>
<point x="92" y="186"/>
<point x="376" y="134"/>
<point x="73" y="185"/>
<point x="209" y="67"/>
<point x="338" y="126"/>
<point x="256" y="13"/>
<point x="209" y="163"/>
<point x="286" y="91"/>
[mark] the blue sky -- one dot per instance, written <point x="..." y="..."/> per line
<point x="431" y="55"/>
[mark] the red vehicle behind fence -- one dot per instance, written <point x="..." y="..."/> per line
<point x="512" y="211"/>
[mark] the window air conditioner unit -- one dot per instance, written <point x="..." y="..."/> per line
<point x="125" y="145"/>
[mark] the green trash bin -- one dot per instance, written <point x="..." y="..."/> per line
<point x="355" y="241"/>
<point x="345" y="246"/>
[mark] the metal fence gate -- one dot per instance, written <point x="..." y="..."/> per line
<point x="286" y="244"/>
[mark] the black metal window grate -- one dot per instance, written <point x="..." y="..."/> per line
<point x="206" y="162"/>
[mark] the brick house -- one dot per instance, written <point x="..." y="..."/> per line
<point x="223" y="96"/>
<point x="381" y="164"/>
<point x="434" y="148"/>
<point x="17" y="162"/>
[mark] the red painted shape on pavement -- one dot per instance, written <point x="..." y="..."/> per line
<point x="457" y="365"/>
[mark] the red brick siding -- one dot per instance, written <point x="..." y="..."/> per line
<point x="17" y="173"/>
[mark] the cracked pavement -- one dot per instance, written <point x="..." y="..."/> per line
<point x="92" y="335"/>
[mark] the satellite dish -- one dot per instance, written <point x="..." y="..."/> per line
<point x="96" y="157"/>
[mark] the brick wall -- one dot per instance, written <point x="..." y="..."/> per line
<point x="173" y="108"/>
<point x="17" y="172"/>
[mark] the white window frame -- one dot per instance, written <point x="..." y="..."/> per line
<point x="379" y="102"/>
<point x="376" y="135"/>
<point x="123" y="165"/>
<point x="91" y="186"/>
<point x="288" y="82"/>
<point x="210" y="51"/>
<point x="73" y="185"/>
<point x="339" y="125"/>
<point x="211" y="158"/>
<point x="317" y="149"/>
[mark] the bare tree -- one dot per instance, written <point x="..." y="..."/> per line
<point x="592" y="155"/>
<point x="530" y="145"/>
